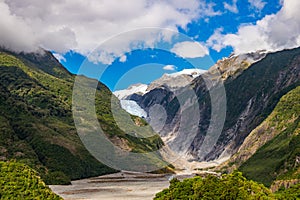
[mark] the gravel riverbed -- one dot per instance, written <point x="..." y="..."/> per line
<point x="122" y="185"/>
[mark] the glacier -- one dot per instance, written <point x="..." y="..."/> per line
<point x="133" y="108"/>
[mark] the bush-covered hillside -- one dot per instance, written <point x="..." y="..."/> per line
<point x="232" y="186"/>
<point x="290" y="193"/>
<point x="36" y="122"/>
<point x="18" y="181"/>
<point x="229" y="186"/>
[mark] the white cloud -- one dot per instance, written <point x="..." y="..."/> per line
<point x="273" y="32"/>
<point x="190" y="49"/>
<point x="257" y="4"/>
<point x="82" y="25"/>
<point x="207" y="9"/>
<point x="216" y="41"/>
<point x="59" y="57"/>
<point x="169" y="67"/>
<point x="123" y="58"/>
<point x="231" y="7"/>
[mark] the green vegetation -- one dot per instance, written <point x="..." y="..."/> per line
<point x="228" y="186"/>
<point x="36" y="122"/>
<point x="278" y="159"/>
<point x="232" y="186"/>
<point x="290" y="193"/>
<point x="18" y="181"/>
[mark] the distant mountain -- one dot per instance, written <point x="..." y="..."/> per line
<point x="176" y="80"/>
<point x="128" y="97"/>
<point x="133" y="89"/>
<point x="253" y="82"/>
<point x="173" y="80"/>
<point x="36" y="122"/>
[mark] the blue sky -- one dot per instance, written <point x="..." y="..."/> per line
<point x="132" y="41"/>
<point x="142" y="67"/>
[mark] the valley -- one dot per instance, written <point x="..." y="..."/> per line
<point x="149" y="99"/>
<point x="232" y="150"/>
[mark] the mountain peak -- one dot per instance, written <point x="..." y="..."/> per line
<point x="138" y="88"/>
<point x="234" y="65"/>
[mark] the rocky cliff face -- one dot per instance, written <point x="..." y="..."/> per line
<point x="254" y="84"/>
<point x="253" y="94"/>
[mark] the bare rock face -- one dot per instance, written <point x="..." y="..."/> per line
<point x="251" y="96"/>
<point x="253" y="82"/>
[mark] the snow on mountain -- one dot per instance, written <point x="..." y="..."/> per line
<point x="177" y="79"/>
<point x="133" y="89"/>
<point x="174" y="80"/>
<point x="192" y="72"/>
<point x="133" y="108"/>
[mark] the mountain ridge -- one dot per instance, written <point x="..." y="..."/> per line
<point x="253" y="88"/>
<point x="37" y="124"/>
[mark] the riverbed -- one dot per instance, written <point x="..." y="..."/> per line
<point x="122" y="185"/>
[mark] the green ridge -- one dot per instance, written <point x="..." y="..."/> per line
<point x="277" y="159"/>
<point x="36" y="122"/>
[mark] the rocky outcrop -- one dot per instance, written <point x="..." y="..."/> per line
<point x="234" y="65"/>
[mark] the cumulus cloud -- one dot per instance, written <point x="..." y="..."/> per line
<point x="190" y="49"/>
<point x="258" y="5"/>
<point x="123" y="58"/>
<point x="231" y="7"/>
<point x="169" y="67"/>
<point x="273" y="32"/>
<point x="82" y="25"/>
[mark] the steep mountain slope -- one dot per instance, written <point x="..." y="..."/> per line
<point x="284" y="116"/>
<point x="252" y="92"/>
<point x="272" y="151"/>
<point x="36" y="120"/>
